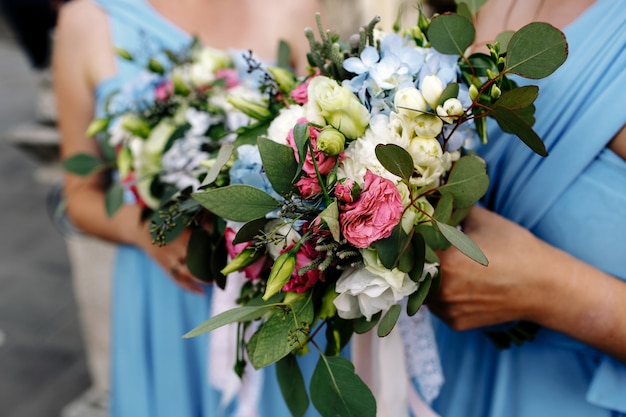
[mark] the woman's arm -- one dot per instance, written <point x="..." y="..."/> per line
<point x="82" y="57"/>
<point x="527" y="279"/>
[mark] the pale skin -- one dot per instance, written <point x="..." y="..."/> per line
<point x="528" y="279"/>
<point x="83" y="58"/>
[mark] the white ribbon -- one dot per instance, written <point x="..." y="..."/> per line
<point x="383" y="363"/>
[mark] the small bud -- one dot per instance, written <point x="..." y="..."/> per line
<point x="495" y="92"/>
<point x="180" y="86"/>
<point x="423" y="22"/>
<point x="136" y="126"/>
<point x="253" y="109"/>
<point x="124" y="162"/>
<point x="245" y="258"/>
<point x="331" y="141"/>
<point x="285" y="79"/>
<point x="490" y="74"/>
<point x="281" y="273"/>
<point x="155" y="66"/>
<point x="431" y="88"/>
<point x="96" y="126"/>
<point x="123" y="53"/>
<point x="473" y="92"/>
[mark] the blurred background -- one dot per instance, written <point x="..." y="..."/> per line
<point x="42" y="360"/>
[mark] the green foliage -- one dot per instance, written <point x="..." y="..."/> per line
<point x="362" y="325"/>
<point x="223" y="156"/>
<point x="472" y="5"/>
<point x="235" y="315"/>
<point x="536" y="51"/>
<point x="451" y="33"/>
<point x="336" y="390"/>
<point x="463" y="243"/>
<point x="468" y="181"/>
<point x="240" y="203"/>
<point x="396" y="160"/>
<point x="279" y="163"/>
<point x="199" y="254"/>
<point x="416" y="300"/>
<point x="513" y="122"/>
<point x="113" y="199"/>
<point x="292" y="386"/>
<point x="82" y="164"/>
<point x="389" y="320"/>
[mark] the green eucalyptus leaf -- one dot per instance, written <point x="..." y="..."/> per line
<point x="284" y="54"/>
<point x="279" y="163"/>
<point x="250" y="230"/>
<point x="503" y="40"/>
<point x="536" y="51"/>
<point x="451" y="91"/>
<point x="222" y="158"/>
<point x="431" y="255"/>
<point x="451" y="33"/>
<point x="416" y="300"/>
<point x="199" y="250"/>
<point x="284" y="331"/>
<point x="82" y="164"/>
<point x="472" y="5"/>
<point x="468" y="181"/>
<point x="419" y="257"/>
<point x="443" y="211"/>
<point x="301" y="138"/>
<point x="336" y="390"/>
<point x="235" y="315"/>
<point x="463" y="243"/>
<point x="114" y="198"/>
<point x="219" y="258"/>
<point x="464" y="10"/>
<point x="396" y="160"/>
<point x="510" y="121"/>
<point x="479" y="63"/>
<point x="432" y="237"/>
<point x="237" y="202"/>
<point x="362" y="325"/>
<point x="248" y="135"/>
<point x="292" y="386"/>
<point x="518" y="98"/>
<point x="389" y="320"/>
<point x="389" y="249"/>
<point x="330" y="215"/>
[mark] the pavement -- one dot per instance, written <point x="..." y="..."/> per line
<point x="42" y="357"/>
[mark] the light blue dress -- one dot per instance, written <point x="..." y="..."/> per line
<point x="155" y="372"/>
<point x="575" y="199"/>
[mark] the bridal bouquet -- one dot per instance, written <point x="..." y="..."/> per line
<point x="164" y="131"/>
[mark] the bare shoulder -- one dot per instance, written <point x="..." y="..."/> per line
<point x="81" y="16"/>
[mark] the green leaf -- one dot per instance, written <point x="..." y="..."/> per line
<point x="362" y="325"/>
<point x="389" y="320"/>
<point x="389" y="249"/>
<point x="472" y="5"/>
<point x="336" y="390"/>
<point x="279" y="163"/>
<point x="250" y="230"/>
<point x="464" y="10"/>
<point x="518" y="98"/>
<point x="199" y="250"/>
<point x="235" y="315"/>
<point x="451" y="91"/>
<point x="222" y="158"/>
<point x="433" y="238"/>
<point x="292" y="386"/>
<point x="443" y="211"/>
<point x="479" y="63"/>
<point x="503" y="40"/>
<point x="416" y="300"/>
<point x="219" y="258"/>
<point x="468" y="181"/>
<point x="536" y="51"/>
<point x="451" y="33"/>
<point x="419" y="257"/>
<point x="301" y="139"/>
<point x="237" y="202"/>
<point x="284" y="55"/>
<point x="463" y="243"/>
<point x="96" y="126"/>
<point x="284" y="331"/>
<point x="330" y="215"/>
<point x="114" y="198"/>
<point x="396" y="160"/>
<point x="512" y="122"/>
<point x="248" y="135"/>
<point x="82" y="164"/>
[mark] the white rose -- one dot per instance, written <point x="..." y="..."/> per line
<point x="427" y="126"/>
<point x="450" y="110"/>
<point x="373" y="288"/>
<point x="338" y="106"/>
<point x="285" y="235"/>
<point x="431" y="88"/>
<point x="284" y="122"/>
<point x="410" y="102"/>
<point x="427" y="160"/>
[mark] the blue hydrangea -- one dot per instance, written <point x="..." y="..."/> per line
<point x="248" y="170"/>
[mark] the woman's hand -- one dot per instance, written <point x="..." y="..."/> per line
<point x="472" y="295"/>
<point x="172" y="258"/>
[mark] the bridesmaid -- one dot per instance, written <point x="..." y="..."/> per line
<point x="154" y="372"/>
<point x="554" y="231"/>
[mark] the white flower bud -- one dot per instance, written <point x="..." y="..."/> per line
<point x="451" y="110"/>
<point x="431" y="88"/>
<point x="410" y="102"/>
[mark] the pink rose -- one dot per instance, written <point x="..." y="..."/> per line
<point x="346" y="190"/>
<point x="164" y="90"/>
<point x="308" y="187"/>
<point x="229" y="76"/>
<point x="300" y="283"/>
<point x="253" y="271"/>
<point x="300" y="94"/>
<point x="374" y="215"/>
<point x="325" y="164"/>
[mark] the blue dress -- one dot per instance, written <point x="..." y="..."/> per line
<point x="575" y="200"/>
<point x="154" y="371"/>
